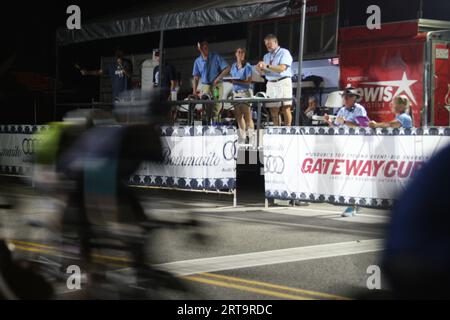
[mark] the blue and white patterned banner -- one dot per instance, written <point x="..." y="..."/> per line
<point x="199" y="158"/>
<point x="17" y="146"/>
<point x="346" y="166"/>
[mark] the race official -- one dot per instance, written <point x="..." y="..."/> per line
<point x="276" y="67"/>
<point x="352" y="114"/>
<point x="210" y="68"/>
<point x="241" y="71"/>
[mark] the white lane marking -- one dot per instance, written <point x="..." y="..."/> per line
<point x="362" y="219"/>
<point x="263" y="258"/>
<point x="332" y="212"/>
<point x="359" y="217"/>
<point x="319" y="211"/>
<point x="257" y="207"/>
<point x="338" y="212"/>
<point x="302" y="225"/>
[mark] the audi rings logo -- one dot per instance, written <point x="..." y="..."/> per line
<point x="274" y="164"/>
<point x="230" y="150"/>
<point x="29" y="146"/>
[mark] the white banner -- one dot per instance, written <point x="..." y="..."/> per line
<point x="363" y="166"/>
<point x="17" y="148"/>
<point x="194" y="158"/>
<point x="201" y="157"/>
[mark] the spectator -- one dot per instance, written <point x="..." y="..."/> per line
<point x="169" y="78"/>
<point x="400" y="105"/>
<point x="352" y="114"/>
<point x="210" y="67"/>
<point x="169" y="83"/>
<point x="119" y="71"/>
<point x="310" y="111"/>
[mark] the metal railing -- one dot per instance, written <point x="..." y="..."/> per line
<point x="257" y="103"/>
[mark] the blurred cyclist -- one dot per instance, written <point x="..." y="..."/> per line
<point x="103" y="159"/>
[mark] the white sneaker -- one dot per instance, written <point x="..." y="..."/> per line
<point x="252" y="139"/>
<point x="241" y="140"/>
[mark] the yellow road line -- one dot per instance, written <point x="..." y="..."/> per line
<point x="246" y="288"/>
<point x="111" y="258"/>
<point x="275" y="286"/>
<point x="41" y="248"/>
<point x="33" y="249"/>
<point x="31" y="244"/>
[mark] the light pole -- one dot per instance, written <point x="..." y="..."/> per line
<point x="300" y="62"/>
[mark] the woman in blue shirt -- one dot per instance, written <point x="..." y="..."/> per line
<point x="400" y="106"/>
<point x="241" y="72"/>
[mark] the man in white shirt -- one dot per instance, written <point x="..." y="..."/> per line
<point x="352" y="114"/>
<point x="276" y="67"/>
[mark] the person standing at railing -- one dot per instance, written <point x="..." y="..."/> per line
<point x="168" y="84"/>
<point x="210" y="68"/>
<point x="276" y="67"/>
<point x="120" y="71"/>
<point x="241" y="73"/>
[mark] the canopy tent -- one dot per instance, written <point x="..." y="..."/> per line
<point x="176" y="15"/>
<point x="173" y="15"/>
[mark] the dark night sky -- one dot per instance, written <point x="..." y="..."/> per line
<point x="28" y="30"/>
<point x="27" y="35"/>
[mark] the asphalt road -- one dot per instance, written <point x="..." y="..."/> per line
<point x="250" y="252"/>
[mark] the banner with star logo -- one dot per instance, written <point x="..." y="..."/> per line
<point x="385" y="66"/>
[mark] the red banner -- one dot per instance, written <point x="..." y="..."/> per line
<point x="442" y="84"/>
<point x="390" y="31"/>
<point x="380" y="71"/>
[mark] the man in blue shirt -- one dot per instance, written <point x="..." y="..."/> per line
<point x="210" y="68"/>
<point x="352" y="114"/>
<point x="276" y="67"/>
<point x="120" y="73"/>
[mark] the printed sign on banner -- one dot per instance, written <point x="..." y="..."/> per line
<point x="315" y="7"/>
<point x="202" y="158"/>
<point x="17" y="146"/>
<point x="194" y="158"/>
<point x="368" y="167"/>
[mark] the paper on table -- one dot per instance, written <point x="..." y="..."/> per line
<point x="230" y="78"/>
<point x="322" y="118"/>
